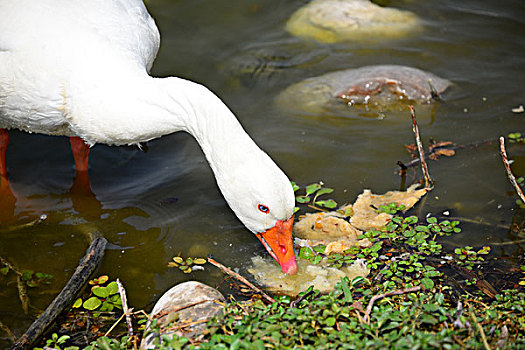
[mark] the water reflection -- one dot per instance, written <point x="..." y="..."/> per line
<point x="29" y="243"/>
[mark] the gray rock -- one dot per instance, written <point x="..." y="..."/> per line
<point x="187" y="307"/>
<point x="383" y="86"/>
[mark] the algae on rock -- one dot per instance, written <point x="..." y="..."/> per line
<point x="384" y="87"/>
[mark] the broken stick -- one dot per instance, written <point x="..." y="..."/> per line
<point x="240" y="278"/>
<point x="125" y="308"/>
<point x="428" y="180"/>
<point x="510" y="175"/>
<point x="86" y="267"/>
<point x="20" y="283"/>
<point x="368" y="310"/>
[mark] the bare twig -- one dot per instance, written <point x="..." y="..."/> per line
<point x="481" y="331"/>
<point x="173" y="309"/>
<point x="8" y="331"/>
<point x="381" y="296"/>
<point x="434" y="151"/>
<point x="20" y="283"/>
<point x="22" y="294"/>
<point x="459" y="311"/>
<point x="497" y="244"/>
<point x="478" y="221"/>
<point x="34" y="222"/>
<point x="240" y="278"/>
<point x="114" y="325"/>
<point x="511" y="177"/>
<point x="503" y="337"/>
<point x="10" y="266"/>
<point x="86" y="267"/>
<point x="428" y="180"/>
<point x="125" y="308"/>
<point x="301" y="298"/>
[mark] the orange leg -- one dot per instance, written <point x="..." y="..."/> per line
<point x="4" y="141"/>
<point x="84" y="200"/>
<point x="81" y="156"/>
<point x="7" y="198"/>
<point x="80" y="153"/>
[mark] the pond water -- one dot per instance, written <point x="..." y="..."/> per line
<point x="154" y="205"/>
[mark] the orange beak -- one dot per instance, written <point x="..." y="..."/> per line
<point x="278" y="241"/>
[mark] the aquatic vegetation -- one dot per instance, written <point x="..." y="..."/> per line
<point x="424" y="319"/>
<point x="316" y="190"/>
<point x="103" y="297"/>
<point x="407" y="301"/>
<point x="186" y="265"/>
<point x="55" y="342"/>
<point x="10" y="274"/>
<point x="516" y="137"/>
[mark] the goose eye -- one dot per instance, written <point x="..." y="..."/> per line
<point x="263" y="208"/>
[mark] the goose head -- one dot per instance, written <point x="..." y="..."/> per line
<point x="262" y="197"/>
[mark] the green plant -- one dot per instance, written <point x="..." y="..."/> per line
<point x="29" y="277"/>
<point x="186" y="265"/>
<point x="516" y="137"/>
<point x="104" y="296"/>
<point x="312" y="194"/>
<point x="467" y="257"/>
<point x="391" y="208"/>
<point x="56" y="342"/>
<point x="313" y="254"/>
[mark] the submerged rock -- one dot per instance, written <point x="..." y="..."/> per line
<point x="357" y="20"/>
<point x="321" y="276"/>
<point x="382" y="86"/>
<point x="338" y="231"/>
<point x="270" y="65"/>
<point x="188" y="305"/>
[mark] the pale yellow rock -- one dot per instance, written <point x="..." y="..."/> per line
<point x="321" y="276"/>
<point x="325" y="226"/>
<point x="343" y="20"/>
<point x="336" y="247"/>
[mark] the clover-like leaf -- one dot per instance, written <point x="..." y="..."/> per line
<point x="312" y="188"/>
<point x="302" y="199"/>
<point x="101" y="292"/>
<point x="427" y="283"/>
<point x="92" y="303"/>
<point x="77" y="303"/>
<point x="330" y="203"/>
<point x="112" y="288"/>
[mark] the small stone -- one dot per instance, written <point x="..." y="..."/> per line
<point x="189" y="305"/>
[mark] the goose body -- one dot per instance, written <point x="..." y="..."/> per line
<point x="80" y="68"/>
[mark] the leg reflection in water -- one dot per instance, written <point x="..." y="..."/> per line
<point x="7" y="198"/>
<point x="83" y="199"/>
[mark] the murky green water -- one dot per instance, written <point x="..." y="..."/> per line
<point x="152" y="206"/>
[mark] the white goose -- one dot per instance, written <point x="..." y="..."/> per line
<point x="79" y="68"/>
